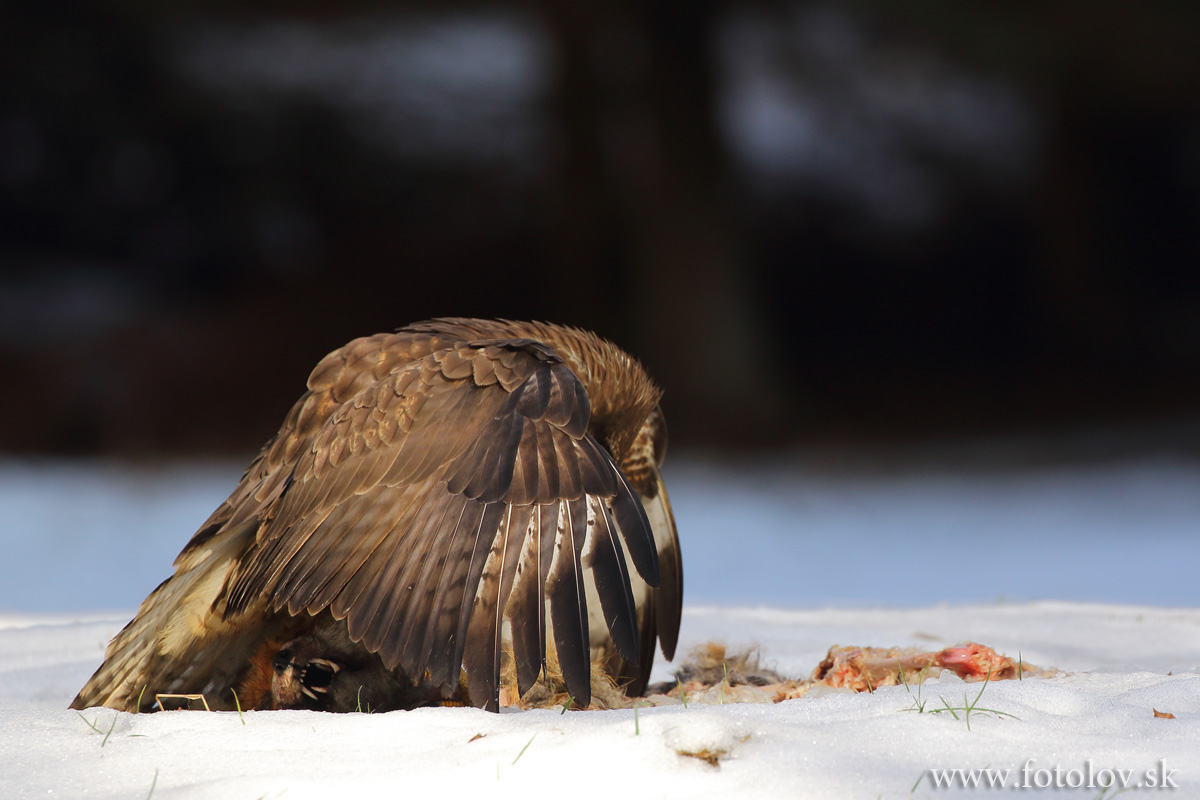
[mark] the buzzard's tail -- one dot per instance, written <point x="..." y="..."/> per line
<point x="164" y="649"/>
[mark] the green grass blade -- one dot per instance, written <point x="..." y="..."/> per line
<point x="523" y="749"/>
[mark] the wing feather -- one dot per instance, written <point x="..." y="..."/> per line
<point x="392" y="596"/>
<point x="636" y="531"/>
<point x="527" y="607"/>
<point x="606" y="558"/>
<point x="482" y="551"/>
<point x="482" y="654"/>
<point x="547" y="463"/>
<point x="392" y="544"/>
<point x="669" y="595"/>
<point x="350" y="554"/>
<point x="421" y="617"/>
<point x="568" y="603"/>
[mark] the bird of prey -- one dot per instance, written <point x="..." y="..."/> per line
<point x="440" y="499"/>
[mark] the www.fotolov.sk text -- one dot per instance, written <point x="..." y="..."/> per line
<point x="1031" y="776"/>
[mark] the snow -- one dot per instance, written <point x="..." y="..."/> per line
<point x="1078" y="567"/>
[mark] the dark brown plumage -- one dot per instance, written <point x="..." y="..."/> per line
<point x="429" y="486"/>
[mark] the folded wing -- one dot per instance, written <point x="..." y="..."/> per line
<point x="460" y="480"/>
<point x="425" y="490"/>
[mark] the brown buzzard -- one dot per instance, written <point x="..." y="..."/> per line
<point x="441" y="498"/>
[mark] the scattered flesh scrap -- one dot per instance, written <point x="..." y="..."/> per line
<point x="864" y="668"/>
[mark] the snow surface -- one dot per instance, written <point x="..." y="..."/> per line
<point x="1071" y="567"/>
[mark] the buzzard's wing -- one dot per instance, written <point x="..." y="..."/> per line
<point x="440" y="491"/>
<point x="459" y="489"/>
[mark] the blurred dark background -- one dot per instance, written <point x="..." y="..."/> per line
<point x="815" y="222"/>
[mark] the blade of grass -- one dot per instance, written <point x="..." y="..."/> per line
<point x="90" y="724"/>
<point x="111" y="728"/>
<point x="238" y="703"/>
<point x="951" y="710"/>
<point x="518" y="758"/>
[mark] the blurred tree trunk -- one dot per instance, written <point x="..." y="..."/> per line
<point x="643" y="193"/>
<point x="1114" y="84"/>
